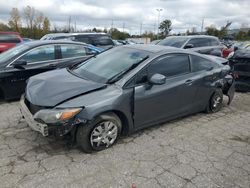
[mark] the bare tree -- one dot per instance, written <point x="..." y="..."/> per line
<point x="29" y="16"/>
<point x="38" y="20"/>
<point x="15" y="20"/>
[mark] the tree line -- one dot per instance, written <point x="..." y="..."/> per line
<point x="36" y="24"/>
<point x="32" y="23"/>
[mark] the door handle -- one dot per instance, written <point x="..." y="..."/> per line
<point x="189" y="82"/>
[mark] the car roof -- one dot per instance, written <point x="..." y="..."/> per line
<point x="154" y="48"/>
<point x="9" y="32"/>
<point x="193" y="36"/>
<point x="43" y="42"/>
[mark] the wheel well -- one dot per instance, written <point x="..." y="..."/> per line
<point x="124" y="120"/>
<point x="122" y="117"/>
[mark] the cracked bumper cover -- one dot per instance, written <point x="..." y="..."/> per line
<point x="44" y="129"/>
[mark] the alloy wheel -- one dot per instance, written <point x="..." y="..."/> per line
<point x="104" y="134"/>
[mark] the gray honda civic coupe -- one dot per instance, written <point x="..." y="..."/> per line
<point x="122" y="90"/>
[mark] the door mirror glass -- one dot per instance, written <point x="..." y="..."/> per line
<point x="19" y="64"/>
<point x="157" y="79"/>
<point x="188" y="46"/>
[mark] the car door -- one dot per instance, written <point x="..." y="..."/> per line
<point x="39" y="59"/>
<point x="207" y="73"/>
<point x="155" y="103"/>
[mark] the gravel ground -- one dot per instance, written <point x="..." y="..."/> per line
<point x="203" y="150"/>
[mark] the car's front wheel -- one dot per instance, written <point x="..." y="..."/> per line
<point x="215" y="102"/>
<point x="99" y="134"/>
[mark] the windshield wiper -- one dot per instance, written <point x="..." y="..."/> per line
<point x="78" y="62"/>
<point x="120" y="74"/>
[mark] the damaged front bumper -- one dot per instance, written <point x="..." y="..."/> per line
<point x="34" y="125"/>
<point x="58" y="129"/>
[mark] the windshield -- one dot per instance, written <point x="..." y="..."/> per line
<point x="7" y="55"/>
<point x="111" y="63"/>
<point x="177" y="42"/>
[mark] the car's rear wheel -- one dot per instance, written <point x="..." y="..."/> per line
<point x="99" y="134"/>
<point x="215" y="102"/>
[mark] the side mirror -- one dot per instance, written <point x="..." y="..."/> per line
<point x="92" y="52"/>
<point x="187" y="46"/>
<point x="157" y="79"/>
<point x="18" y="64"/>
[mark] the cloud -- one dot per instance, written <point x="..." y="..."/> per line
<point x="184" y="14"/>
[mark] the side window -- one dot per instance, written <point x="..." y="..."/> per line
<point x="199" y="63"/>
<point x="199" y="42"/>
<point x="214" y="42"/>
<point x="170" y="65"/>
<point x="90" y="51"/>
<point x="69" y="51"/>
<point x="102" y="40"/>
<point x="84" y="39"/>
<point x="42" y="53"/>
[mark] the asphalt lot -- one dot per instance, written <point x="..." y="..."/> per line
<point x="203" y="150"/>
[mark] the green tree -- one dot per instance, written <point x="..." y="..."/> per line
<point x="116" y="34"/>
<point x="165" y="27"/>
<point x="4" y="27"/>
<point x="15" y="20"/>
<point x="46" y="25"/>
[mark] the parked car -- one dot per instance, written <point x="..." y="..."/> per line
<point x="155" y="41"/>
<point x="28" y="59"/>
<point x="9" y="40"/>
<point x="122" y="90"/>
<point x="101" y="40"/>
<point x="203" y="44"/>
<point x="240" y="63"/>
<point x="234" y="47"/>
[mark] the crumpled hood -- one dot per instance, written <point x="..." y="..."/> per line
<point x="53" y="87"/>
<point x="242" y="54"/>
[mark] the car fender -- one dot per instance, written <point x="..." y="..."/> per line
<point x="110" y="99"/>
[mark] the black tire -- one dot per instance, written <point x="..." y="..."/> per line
<point x="216" y="101"/>
<point x="84" y="132"/>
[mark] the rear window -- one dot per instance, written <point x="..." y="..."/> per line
<point x="102" y="40"/>
<point x="9" y="38"/>
<point x="177" y="42"/>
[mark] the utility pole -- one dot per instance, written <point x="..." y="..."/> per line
<point x="202" y="24"/>
<point x="112" y="24"/>
<point x="140" y="29"/>
<point x="75" y="26"/>
<point x="69" y="24"/>
<point x="111" y="29"/>
<point x="159" y="14"/>
<point x="123" y="26"/>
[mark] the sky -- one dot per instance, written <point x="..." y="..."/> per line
<point x="135" y="16"/>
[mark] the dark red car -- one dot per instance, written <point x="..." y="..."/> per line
<point x="9" y="40"/>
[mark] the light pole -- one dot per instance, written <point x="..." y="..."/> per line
<point x="159" y="14"/>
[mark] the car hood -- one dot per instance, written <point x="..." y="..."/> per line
<point x="54" y="87"/>
<point x="219" y="60"/>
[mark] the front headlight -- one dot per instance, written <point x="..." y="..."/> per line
<point x="56" y="115"/>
